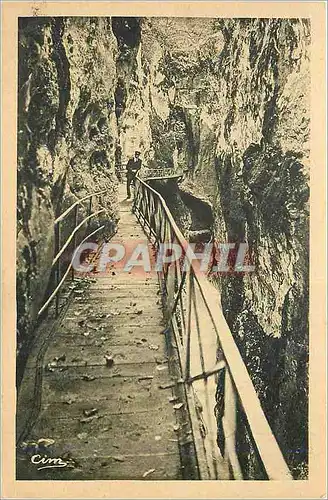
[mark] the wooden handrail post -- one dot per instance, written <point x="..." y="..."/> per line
<point x="74" y="238"/>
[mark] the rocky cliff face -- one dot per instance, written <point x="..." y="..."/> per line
<point x="67" y="136"/>
<point x="225" y="101"/>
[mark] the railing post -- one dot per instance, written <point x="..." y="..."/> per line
<point x="89" y="211"/>
<point x="74" y="237"/>
<point x="229" y="422"/>
<point x="57" y="270"/>
<point x="187" y="340"/>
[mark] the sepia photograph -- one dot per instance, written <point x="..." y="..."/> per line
<point x="162" y="276"/>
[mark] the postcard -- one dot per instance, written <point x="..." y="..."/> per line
<point x="163" y="214"/>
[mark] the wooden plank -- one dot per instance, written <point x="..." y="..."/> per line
<point x="105" y="403"/>
<point x="94" y="355"/>
<point x="143" y="433"/>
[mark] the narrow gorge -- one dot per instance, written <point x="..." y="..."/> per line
<point x="223" y="101"/>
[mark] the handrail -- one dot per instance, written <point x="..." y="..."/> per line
<point x="59" y="250"/>
<point x="238" y="435"/>
<point x="78" y="202"/>
<point x="69" y="239"/>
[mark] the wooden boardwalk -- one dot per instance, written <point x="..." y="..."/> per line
<point x="107" y="420"/>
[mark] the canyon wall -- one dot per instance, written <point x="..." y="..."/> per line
<point x="227" y="102"/>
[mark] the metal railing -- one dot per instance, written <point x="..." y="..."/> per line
<point x="232" y="437"/>
<point x="71" y="240"/>
<point x="160" y="173"/>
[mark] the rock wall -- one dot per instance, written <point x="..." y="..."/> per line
<point x="227" y="101"/>
<point x="67" y="136"/>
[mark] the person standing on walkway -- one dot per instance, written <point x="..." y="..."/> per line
<point x="132" y="168"/>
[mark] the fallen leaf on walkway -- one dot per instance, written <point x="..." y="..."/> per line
<point x="153" y="347"/>
<point x="150" y="471"/>
<point x="89" y="413"/>
<point x="95" y="328"/>
<point x="161" y="367"/>
<point x="160" y="361"/>
<point x="158" y="438"/>
<point x="178" y="406"/>
<point x="76" y="360"/>
<point x="45" y="442"/>
<point x="119" y="458"/>
<point x="86" y="334"/>
<point x="60" y="358"/>
<point x="88" y="378"/>
<point x="89" y="419"/>
<point x="166" y="386"/>
<point x="50" y="367"/>
<point x="82" y="435"/>
<point x="173" y="399"/>
<point x="68" y="401"/>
